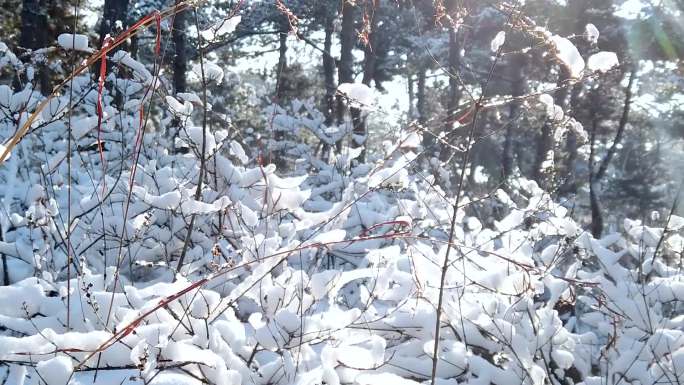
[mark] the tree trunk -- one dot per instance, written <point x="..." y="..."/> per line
<point x="345" y="68"/>
<point x="595" y="177"/>
<point x="180" y="58"/>
<point x="282" y="62"/>
<point x="276" y="154"/>
<point x="329" y="106"/>
<point x="411" y="95"/>
<point x="454" y="100"/>
<point x="570" y="182"/>
<point x="516" y="67"/>
<point x="346" y="64"/>
<point x="360" y="131"/>
<point x="428" y="140"/>
<point x="113" y="11"/>
<point x="329" y="73"/>
<point x="596" y="217"/>
<point x="34" y="36"/>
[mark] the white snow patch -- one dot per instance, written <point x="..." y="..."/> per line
<point x="359" y="95"/>
<point x="55" y="371"/>
<point x="567" y="53"/>
<point x="76" y="42"/>
<point x="592" y="33"/>
<point x="498" y="41"/>
<point x="222" y="28"/>
<point x="602" y="61"/>
<point x="178" y="108"/>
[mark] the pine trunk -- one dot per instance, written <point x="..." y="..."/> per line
<point x="454" y="100"/>
<point x="113" y="11"/>
<point x="34" y="36"/>
<point x="428" y="139"/>
<point x="329" y="73"/>
<point x="516" y="67"/>
<point x="346" y="64"/>
<point x="180" y="58"/>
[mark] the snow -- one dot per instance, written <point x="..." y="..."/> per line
<point x="5" y="95"/>
<point x="554" y="111"/>
<point x="237" y="150"/>
<point x="76" y="42"/>
<point x="139" y="70"/>
<point x="191" y="206"/>
<point x="498" y="41"/>
<point x="359" y="95"/>
<point x="184" y="109"/>
<point x="382" y="378"/>
<point x="602" y="61"/>
<point x="592" y="33"/>
<point x="249" y="216"/>
<point x="3" y="149"/>
<point x="676" y="222"/>
<point x="220" y="29"/>
<point x="325" y="270"/>
<point x="166" y="201"/>
<point x="212" y="72"/>
<point x="55" y="371"/>
<point x="568" y="54"/>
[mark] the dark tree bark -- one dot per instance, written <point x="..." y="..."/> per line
<point x="34" y="35"/>
<point x="33" y="23"/>
<point x="410" y="82"/>
<point x="329" y="107"/>
<point x="345" y="66"/>
<point x="180" y="58"/>
<point x="428" y="140"/>
<point x="516" y="67"/>
<point x="595" y="177"/>
<point x="570" y="182"/>
<point x="276" y="154"/>
<point x="454" y="62"/>
<point x="596" y="216"/>
<point x="360" y="130"/>
<point x="329" y="73"/>
<point x="420" y="96"/>
<point x="113" y="11"/>
<point x="282" y="63"/>
<point x="454" y="99"/>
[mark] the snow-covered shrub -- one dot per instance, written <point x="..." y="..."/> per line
<point x="334" y="277"/>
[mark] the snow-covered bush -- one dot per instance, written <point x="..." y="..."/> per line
<point x="141" y="244"/>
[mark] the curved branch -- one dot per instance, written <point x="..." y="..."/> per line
<point x="621" y="128"/>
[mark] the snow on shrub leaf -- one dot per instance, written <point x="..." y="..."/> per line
<point x="140" y="72"/>
<point x="76" y="42"/>
<point x="55" y="371"/>
<point x="191" y="206"/>
<point x="592" y="33"/>
<point x="602" y="61"/>
<point x="358" y="95"/>
<point x="212" y="72"/>
<point x="676" y="223"/>
<point x="220" y="29"/>
<point x="248" y="215"/>
<point x="568" y="54"/>
<point x="166" y="201"/>
<point x="237" y="150"/>
<point x="498" y="41"/>
<point x="553" y="110"/>
<point x="178" y="108"/>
